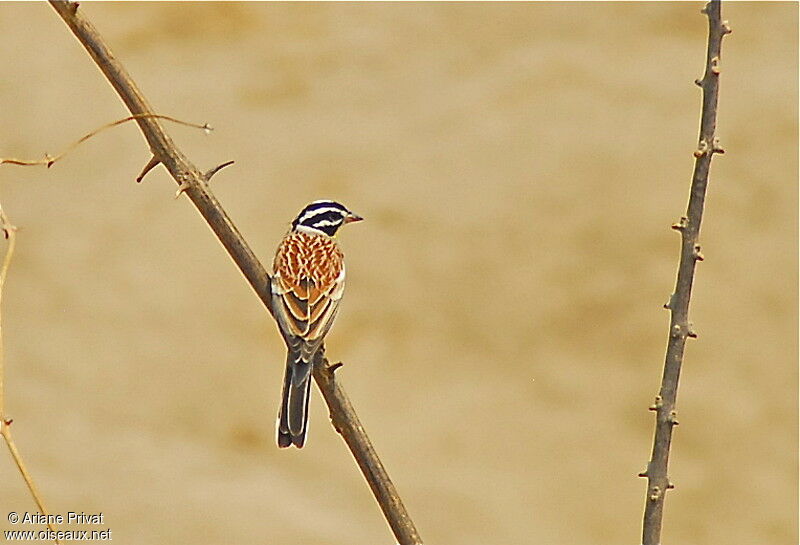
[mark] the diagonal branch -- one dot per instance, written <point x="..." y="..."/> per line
<point x="346" y="422"/>
<point x="195" y="184"/>
<point x="680" y="328"/>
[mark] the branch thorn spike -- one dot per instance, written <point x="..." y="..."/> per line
<point x="726" y="28"/>
<point x="657" y="404"/>
<point x="702" y="148"/>
<point x="8" y="229"/>
<point x="673" y="418"/>
<point x="207" y="176"/>
<point x="697" y="254"/>
<point x="670" y="486"/>
<point x="333" y="368"/>
<point x="643" y="474"/>
<point x="151" y="164"/>
<point x="181" y="189"/>
<point x="682" y="224"/>
<point x="698" y="82"/>
<point x="184" y="185"/>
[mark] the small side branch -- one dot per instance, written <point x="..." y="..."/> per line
<point x="48" y="160"/>
<point x="194" y="183"/>
<point x="680" y="328"/>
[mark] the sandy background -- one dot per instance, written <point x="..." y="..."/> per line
<point x="519" y="167"/>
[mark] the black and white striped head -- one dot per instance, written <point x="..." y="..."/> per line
<point x="323" y="217"/>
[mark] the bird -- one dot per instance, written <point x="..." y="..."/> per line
<point x="306" y="286"/>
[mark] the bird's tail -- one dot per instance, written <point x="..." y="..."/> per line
<point x="293" y="416"/>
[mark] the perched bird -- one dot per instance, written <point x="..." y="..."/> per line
<point x="307" y="285"/>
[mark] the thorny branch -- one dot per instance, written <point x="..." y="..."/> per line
<point x="10" y="233"/>
<point x="195" y="184"/>
<point x="680" y="328"/>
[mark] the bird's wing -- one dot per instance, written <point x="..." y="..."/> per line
<point x="305" y="298"/>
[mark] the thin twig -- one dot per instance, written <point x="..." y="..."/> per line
<point x="49" y="160"/>
<point x="10" y="233"/>
<point x="194" y="183"/>
<point x="680" y="328"/>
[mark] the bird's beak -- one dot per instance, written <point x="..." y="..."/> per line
<point x="350" y="218"/>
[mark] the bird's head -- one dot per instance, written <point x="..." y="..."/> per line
<point x="323" y="217"/>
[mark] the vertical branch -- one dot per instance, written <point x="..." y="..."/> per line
<point x="680" y="328"/>
<point x="10" y="234"/>
<point x="195" y="184"/>
<point x="5" y="423"/>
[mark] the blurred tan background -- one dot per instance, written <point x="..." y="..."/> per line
<point x="519" y="166"/>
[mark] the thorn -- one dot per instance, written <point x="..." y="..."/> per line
<point x="655" y="494"/>
<point x="668" y="304"/>
<point x="670" y="486"/>
<point x="691" y="332"/>
<point x="8" y="229"/>
<point x="657" y="404"/>
<point x="726" y="28"/>
<point x="715" y="147"/>
<point x="151" y="164"/>
<point x="682" y="224"/>
<point x="8" y="421"/>
<point x="673" y="418"/>
<point x="207" y="129"/>
<point x="715" y="69"/>
<point x="698" y="82"/>
<point x="702" y="148"/>
<point x="697" y="254"/>
<point x="333" y="368"/>
<point x="207" y="176"/>
<point x="49" y="159"/>
<point x="73" y="7"/>
<point x="184" y="185"/>
<point x="643" y="474"/>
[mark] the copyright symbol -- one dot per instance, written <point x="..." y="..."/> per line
<point x="13" y="517"/>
